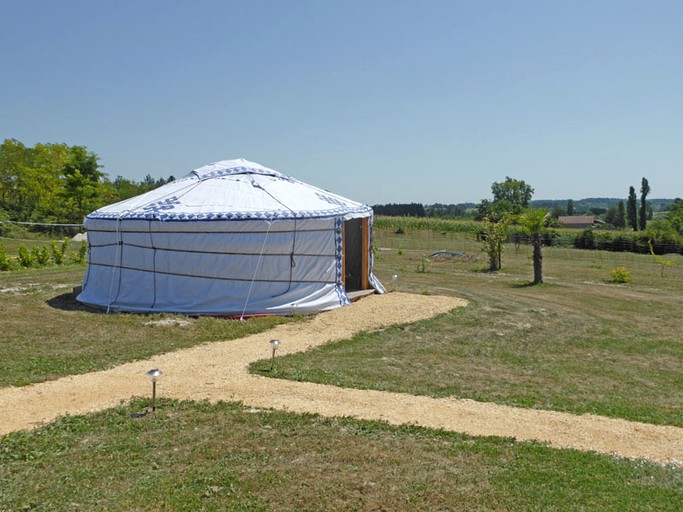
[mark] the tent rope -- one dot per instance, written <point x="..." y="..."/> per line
<point x="292" y="262"/>
<point x="119" y="253"/>
<point x="258" y="264"/>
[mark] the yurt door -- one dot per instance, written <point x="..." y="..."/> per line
<point x="355" y="264"/>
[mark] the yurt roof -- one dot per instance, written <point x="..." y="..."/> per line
<point x="231" y="190"/>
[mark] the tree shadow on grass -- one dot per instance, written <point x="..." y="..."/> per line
<point x="522" y="284"/>
<point x="530" y="284"/>
<point x="487" y="271"/>
<point x="68" y="302"/>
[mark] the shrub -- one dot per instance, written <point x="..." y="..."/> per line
<point x="40" y="255"/>
<point x="424" y="265"/>
<point x="621" y="275"/>
<point x="5" y="261"/>
<point x="80" y="256"/>
<point x="585" y="240"/>
<point x="58" y="251"/>
<point x="25" y="257"/>
<point x="659" y="260"/>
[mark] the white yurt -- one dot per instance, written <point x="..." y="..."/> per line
<point x="232" y="238"/>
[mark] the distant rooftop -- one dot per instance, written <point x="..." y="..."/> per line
<point x="576" y="221"/>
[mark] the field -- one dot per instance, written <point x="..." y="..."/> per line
<point x="577" y="343"/>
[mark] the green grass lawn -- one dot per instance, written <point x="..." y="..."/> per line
<point x="47" y="334"/>
<point x="575" y="343"/>
<point x="193" y="456"/>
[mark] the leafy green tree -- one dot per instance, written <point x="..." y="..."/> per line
<point x="126" y="188"/>
<point x="484" y="210"/>
<point x="513" y="195"/>
<point x="621" y="216"/>
<point x="632" y="209"/>
<point x="40" y="183"/>
<point x="148" y="183"/>
<point x="644" y="191"/>
<point x="82" y="184"/>
<point x="612" y="215"/>
<point x="510" y="197"/>
<point x="534" y="222"/>
<point x="14" y="158"/>
<point x="58" y="183"/>
<point x="30" y="178"/>
<point x="616" y="215"/>
<point x="558" y="211"/>
<point x="50" y="182"/>
<point x="662" y="262"/>
<point x="674" y="215"/>
<point x="494" y="235"/>
<point x="570" y="207"/>
<point x="79" y="193"/>
<point x="84" y="161"/>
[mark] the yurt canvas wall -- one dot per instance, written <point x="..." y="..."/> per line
<point x="231" y="238"/>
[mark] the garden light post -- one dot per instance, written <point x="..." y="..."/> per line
<point x="154" y="376"/>
<point x="275" y="344"/>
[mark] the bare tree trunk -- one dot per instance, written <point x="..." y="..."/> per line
<point x="538" y="259"/>
<point x="494" y="262"/>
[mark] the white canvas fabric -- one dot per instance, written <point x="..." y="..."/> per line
<point x="230" y="238"/>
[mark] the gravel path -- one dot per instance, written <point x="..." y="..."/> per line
<point x="218" y="371"/>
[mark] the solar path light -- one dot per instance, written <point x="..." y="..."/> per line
<point x="275" y="344"/>
<point x="154" y="375"/>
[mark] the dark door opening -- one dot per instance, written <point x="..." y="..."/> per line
<point x="356" y="255"/>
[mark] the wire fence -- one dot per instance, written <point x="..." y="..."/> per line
<point x="428" y="242"/>
<point x="36" y="231"/>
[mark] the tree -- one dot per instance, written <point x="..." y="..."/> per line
<point x="515" y="193"/>
<point x="79" y="193"/>
<point x="33" y="178"/>
<point x="533" y="222"/>
<point x="84" y="161"/>
<point x="44" y="182"/>
<point x="126" y="188"/>
<point x="397" y="209"/>
<point x="674" y="215"/>
<point x="558" y="212"/>
<point x="14" y="157"/>
<point x="621" y="216"/>
<point x="484" y="210"/>
<point x="659" y="260"/>
<point x="612" y="215"/>
<point x="570" y="207"/>
<point x="644" y="191"/>
<point x="494" y="236"/>
<point x="632" y="209"/>
<point x="510" y="197"/>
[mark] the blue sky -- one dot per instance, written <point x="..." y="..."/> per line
<point x="378" y="100"/>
